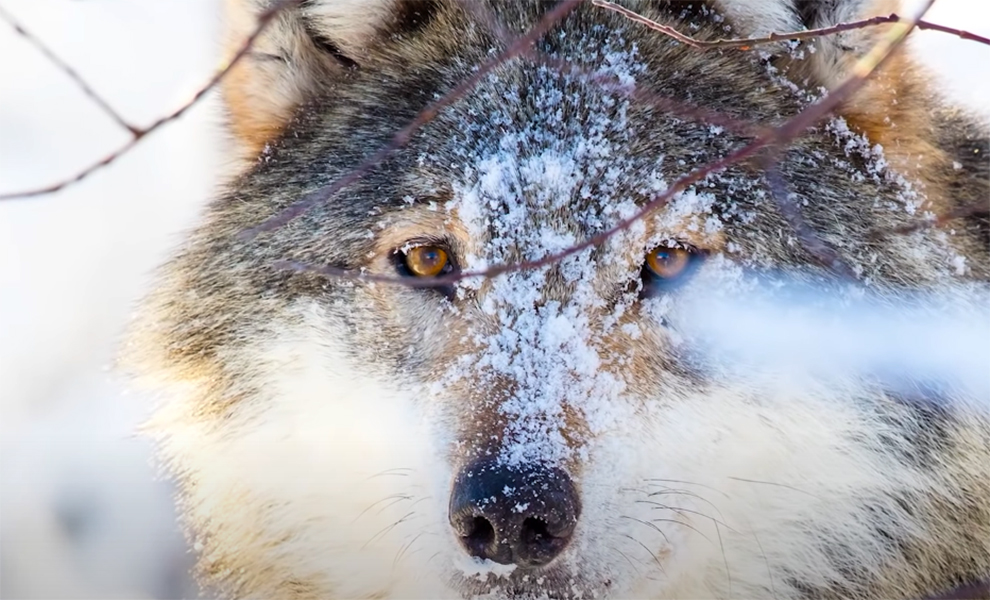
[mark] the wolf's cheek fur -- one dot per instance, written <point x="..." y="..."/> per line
<point x="322" y="480"/>
<point x="712" y="492"/>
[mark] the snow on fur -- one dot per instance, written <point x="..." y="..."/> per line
<point x="509" y="195"/>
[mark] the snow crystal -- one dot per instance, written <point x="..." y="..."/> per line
<point x="959" y="264"/>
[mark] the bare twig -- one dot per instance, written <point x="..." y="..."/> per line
<point x="68" y="70"/>
<point x="648" y="208"/>
<point x="522" y="46"/>
<point x="765" y="139"/>
<point x="519" y="46"/>
<point x="139" y="133"/>
<point x="861" y="71"/>
<point x="790" y="130"/>
<point x="747" y="43"/>
<point x="966" y="35"/>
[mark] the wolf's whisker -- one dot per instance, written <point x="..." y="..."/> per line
<point x="387" y="529"/>
<point x="677" y="492"/>
<point x="405" y="547"/>
<point x="683" y="524"/>
<point x="400" y="472"/>
<point x="688" y="483"/>
<point x="774" y="484"/>
<point x="648" y="524"/>
<point x="725" y="559"/>
<point x="623" y="555"/>
<point x="394" y="497"/>
<point x="681" y="510"/>
<point x="653" y="554"/>
<point x="773" y="590"/>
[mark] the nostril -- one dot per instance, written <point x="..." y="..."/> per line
<point x="538" y="545"/>
<point x="480" y="535"/>
<point x="534" y="531"/>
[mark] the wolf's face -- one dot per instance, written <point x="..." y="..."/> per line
<point x="549" y="431"/>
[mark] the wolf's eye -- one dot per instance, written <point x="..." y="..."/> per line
<point x="668" y="266"/>
<point x="427" y="261"/>
<point x="668" y="263"/>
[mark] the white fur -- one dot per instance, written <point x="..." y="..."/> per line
<point x="757" y="18"/>
<point x="329" y="451"/>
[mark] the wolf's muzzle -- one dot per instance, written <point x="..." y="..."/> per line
<point x="513" y="515"/>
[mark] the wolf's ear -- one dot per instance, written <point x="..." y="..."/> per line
<point x="891" y="108"/>
<point x="833" y="56"/>
<point x="308" y="45"/>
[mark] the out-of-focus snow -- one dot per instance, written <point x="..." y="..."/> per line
<point x="81" y="512"/>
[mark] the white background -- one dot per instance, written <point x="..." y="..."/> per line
<point x="81" y="512"/>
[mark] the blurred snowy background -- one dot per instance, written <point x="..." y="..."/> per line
<point x="82" y="513"/>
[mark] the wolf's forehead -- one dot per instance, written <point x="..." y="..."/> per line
<point x="546" y="157"/>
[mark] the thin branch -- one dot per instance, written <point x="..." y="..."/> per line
<point x="966" y="35"/>
<point x="520" y="46"/>
<point x="647" y="209"/>
<point x="861" y="71"/>
<point x="747" y="43"/>
<point x="650" y="23"/>
<point x="137" y="133"/>
<point x="67" y="69"/>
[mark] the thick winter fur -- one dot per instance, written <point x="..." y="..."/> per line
<point x="316" y="425"/>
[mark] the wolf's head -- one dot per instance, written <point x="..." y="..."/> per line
<point x="549" y="431"/>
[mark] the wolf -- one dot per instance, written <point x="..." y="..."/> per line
<point x="348" y="414"/>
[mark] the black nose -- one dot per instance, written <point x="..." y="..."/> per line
<point x="523" y="516"/>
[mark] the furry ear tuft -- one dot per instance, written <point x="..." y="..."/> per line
<point x="834" y="54"/>
<point x="891" y="109"/>
<point x="308" y="45"/>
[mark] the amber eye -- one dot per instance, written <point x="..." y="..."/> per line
<point x="427" y="261"/>
<point x="666" y="267"/>
<point x="668" y="263"/>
